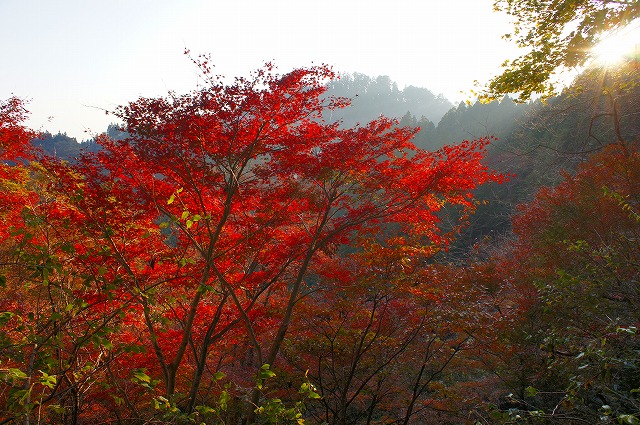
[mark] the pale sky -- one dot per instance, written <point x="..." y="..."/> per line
<point x="72" y="59"/>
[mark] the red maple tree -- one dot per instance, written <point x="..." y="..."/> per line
<point x="194" y="240"/>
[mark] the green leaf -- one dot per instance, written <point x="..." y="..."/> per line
<point x="5" y="316"/>
<point x="171" y="199"/>
<point x="48" y="380"/>
<point x="16" y="374"/>
<point x="205" y="410"/>
<point x="140" y="376"/>
<point x="628" y="419"/>
<point x="224" y="400"/>
<point x="530" y="391"/>
<point x="56" y="408"/>
<point x="498" y="415"/>
<point x="134" y="348"/>
<point x="265" y="372"/>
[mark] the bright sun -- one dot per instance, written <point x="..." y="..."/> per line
<point x="618" y="46"/>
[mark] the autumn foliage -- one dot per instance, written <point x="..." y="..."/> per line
<point x="14" y="149"/>
<point x="236" y="259"/>
<point x="571" y="354"/>
<point x="167" y="275"/>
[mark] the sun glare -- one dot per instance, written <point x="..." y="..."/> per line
<point x="618" y="46"/>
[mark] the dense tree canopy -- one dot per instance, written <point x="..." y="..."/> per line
<point x="577" y="249"/>
<point x="256" y="252"/>
<point x="557" y="35"/>
<point x="148" y="275"/>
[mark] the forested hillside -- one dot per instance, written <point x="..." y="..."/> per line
<point x="375" y="96"/>
<point x="545" y="141"/>
<point x="296" y="248"/>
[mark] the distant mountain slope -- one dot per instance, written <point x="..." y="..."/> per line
<point x="372" y="97"/>
<point x="62" y="146"/>
<point x="467" y="122"/>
